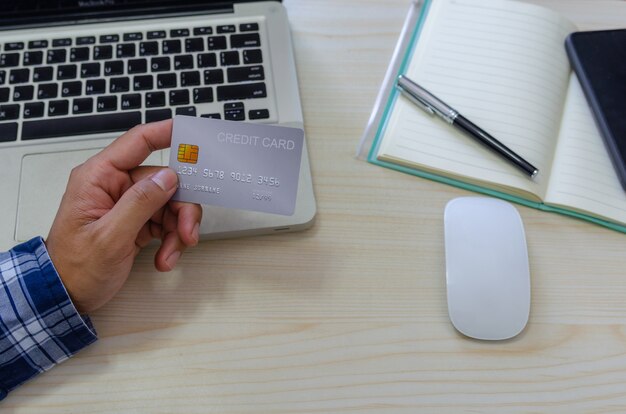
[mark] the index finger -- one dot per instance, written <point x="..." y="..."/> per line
<point x="133" y="147"/>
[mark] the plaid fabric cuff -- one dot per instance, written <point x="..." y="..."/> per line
<point x="39" y="325"/>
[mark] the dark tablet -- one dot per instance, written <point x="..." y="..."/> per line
<point x="599" y="60"/>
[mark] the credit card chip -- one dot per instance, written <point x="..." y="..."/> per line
<point x="188" y="153"/>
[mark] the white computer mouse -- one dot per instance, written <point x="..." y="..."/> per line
<point x="487" y="273"/>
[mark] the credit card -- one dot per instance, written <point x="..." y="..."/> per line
<point x="236" y="164"/>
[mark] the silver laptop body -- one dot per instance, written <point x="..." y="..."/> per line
<point x="45" y="132"/>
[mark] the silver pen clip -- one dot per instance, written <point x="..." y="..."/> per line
<point x="426" y="100"/>
<point x="413" y="98"/>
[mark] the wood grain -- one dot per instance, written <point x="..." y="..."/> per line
<point x="350" y="316"/>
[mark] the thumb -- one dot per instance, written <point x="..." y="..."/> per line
<point x="142" y="201"/>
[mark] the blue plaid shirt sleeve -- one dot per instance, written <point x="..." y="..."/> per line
<point x="39" y="325"/>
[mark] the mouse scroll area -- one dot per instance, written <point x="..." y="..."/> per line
<point x="487" y="270"/>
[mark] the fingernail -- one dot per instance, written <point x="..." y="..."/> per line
<point x="172" y="259"/>
<point x="196" y="232"/>
<point x="165" y="178"/>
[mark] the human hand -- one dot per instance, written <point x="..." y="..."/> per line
<point x="112" y="208"/>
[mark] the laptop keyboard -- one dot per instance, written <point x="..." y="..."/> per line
<point x="109" y="82"/>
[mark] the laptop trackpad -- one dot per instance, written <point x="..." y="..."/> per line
<point x="43" y="180"/>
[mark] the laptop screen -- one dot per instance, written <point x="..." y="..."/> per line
<point x="24" y="13"/>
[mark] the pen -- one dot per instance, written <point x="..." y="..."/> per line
<point x="434" y="106"/>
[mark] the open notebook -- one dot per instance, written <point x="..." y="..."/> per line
<point x="503" y="65"/>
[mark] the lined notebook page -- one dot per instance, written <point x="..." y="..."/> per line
<point x="583" y="176"/>
<point x="500" y="63"/>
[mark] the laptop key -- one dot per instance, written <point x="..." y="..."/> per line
<point x="95" y="87"/>
<point x="207" y="60"/>
<point x="131" y="37"/>
<point x="79" y="54"/>
<point x="106" y="103"/>
<point x="171" y="46"/>
<point x="229" y="58"/>
<point x="56" y="56"/>
<point x="148" y="48"/>
<point x="125" y="50"/>
<point x="43" y="74"/>
<point x="166" y="80"/>
<point x="55" y="108"/>
<point x="113" y="67"/>
<point x="160" y="64"/>
<point x="154" y="115"/>
<point x="190" y="78"/>
<point x="213" y="76"/>
<point x="23" y="93"/>
<point x="143" y="83"/>
<point x="252" y="56"/>
<point x="34" y="109"/>
<point x="137" y="66"/>
<point x="245" y="73"/>
<point x="199" y="31"/>
<point x="179" y="32"/>
<point x="5" y="93"/>
<point x="258" y="114"/>
<point x="156" y="34"/>
<point x="248" y="27"/>
<point x="245" y="40"/>
<point x="154" y="99"/>
<point x="66" y="72"/>
<point x="216" y="42"/>
<point x="121" y="84"/>
<point x="71" y="88"/>
<point x="179" y="97"/>
<point x="110" y="38"/>
<point x="90" y="70"/>
<point x="183" y="62"/>
<point x="47" y="90"/>
<point x="80" y="125"/>
<point x="62" y="42"/>
<point x="19" y="76"/>
<point x="14" y="46"/>
<point x="8" y="131"/>
<point x="228" y="28"/>
<point x="9" y="59"/>
<point x="3" y="76"/>
<point x="82" y="106"/>
<point x="241" y="91"/>
<point x="194" y="44"/>
<point x="202" y="95"/>
<point x="212" y="116"/>
<point x="32" y="58"/>
<point x="234" y="111"/>
<point x="86" y="40"/>
<point x="131" y="101"/>
<point x="103" y="52"/>
<point x="186" y="110"/>
<point x="37" y="44"/>
<point x="9" y="112"/>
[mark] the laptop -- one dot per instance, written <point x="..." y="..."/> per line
<point x="75" y="74"/>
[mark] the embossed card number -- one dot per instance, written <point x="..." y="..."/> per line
<point x="236" y="165"/>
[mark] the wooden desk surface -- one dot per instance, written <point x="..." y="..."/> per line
<point x="351" y="315"/>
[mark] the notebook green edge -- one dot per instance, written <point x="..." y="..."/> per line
<point x="394" y="96"/>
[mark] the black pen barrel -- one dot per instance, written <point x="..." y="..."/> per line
<point x="483" y="137"/>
